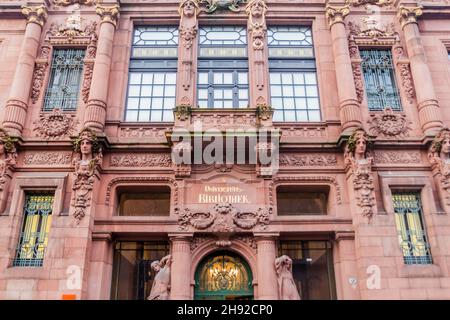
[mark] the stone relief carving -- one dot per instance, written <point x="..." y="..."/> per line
<point x="389" y="124"/>
<point x="223" y="217"/>
<point x="55" y="125"/>
<point x="249" y="240"/>
<point x="405" y="72"/>
<point x="188" y="11"/>
<point x="73" y="29"/>
<point x="213" y="5"/>
<point x="356" y="3"/>
<point x="407" y="15"/>
<point x="37" y="14"/>
<point x="182" y="112"/>
<point x="140" y="160"/>
<point x="142" y="132"/>
<point x="257" y="29"/>
<point x="224" y="121"/>
<point x="70" y="2"/>
<point x="8" y="155"/>
<point x="87" y="161"/>
<point x="108" y="13"/>
<point x="223" y="241"/>
<point x="439" y="157"/>
<point x="287" y="290"/>
<point x="357" y="70"/>
<point x="48" y="158"/>
<point x="161" y="283"/>
<point x="336" y="14"/>
<point x="40" y="70"/>
<point x="308" y="160"/>
<point x="371" y="32"/>
<point x="396" y="157"/>
<point x="360" y="164"/>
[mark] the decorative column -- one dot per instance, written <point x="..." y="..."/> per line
<point x="95" y="115"/>
<point x="180" y="281"/>
<point x="349" y="108"/>
<point x="17" y="104"/>
<point x="428" y="106"/>
<point x="265" y="265"/>
<point x="258" y="60"/>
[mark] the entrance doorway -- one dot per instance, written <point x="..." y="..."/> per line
<point x="223" y="276"/>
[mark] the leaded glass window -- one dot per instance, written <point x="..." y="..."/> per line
<point x="152" y="74"/>
<point x="65" y="77"/>
<point x="410" y="228"/>
<point x="35" y="230"/>
<point x="223" y="83"/>
<point x="293" y="79"/>
<point x="379" y="79"/>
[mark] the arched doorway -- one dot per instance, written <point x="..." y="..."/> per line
<point x="223" y="276"/>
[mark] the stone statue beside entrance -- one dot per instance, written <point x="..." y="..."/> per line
<point x="287" y="290"/>
<point x="161" y="283"/>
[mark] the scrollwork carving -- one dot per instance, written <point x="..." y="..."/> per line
<point x="389" y="124"/>
<point x="55" y="125"/>
<point x="8" y="156"/>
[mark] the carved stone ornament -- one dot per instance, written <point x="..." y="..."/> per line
<point x="133" y="160"/>
<point x="223" y="218"/>
<point x="371" y="32"/>
<point x="264" y="112"/>
<point x="356" y="69"/>
<point x="381" y="3"/>
<point x="87" y="161"/>
<point x="8" y="156"/>
<point x="40" y="71"/>
<point x="189" y="9"/>
<point x="405" y="73"/>
<point x="407" y="15"/>
<point x="36" y="14"/>
<point x="70" y="2"/>
<point x="213" y="5"/>
<point x="182" y="112"/>
<point x="108" y="13"/>
<point x="389" y="124"/>
<point x="256" y="11"/>
<point x="55" y="125"/>
<point x="357" y="160"/>
<point x="439" y="157"/>
<point x="336" y="14"/>
<point x="73" y="29"/>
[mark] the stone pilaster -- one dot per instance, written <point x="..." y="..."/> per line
<point x="180" y="281"/>
<point x="95" y="115"/>
<point x="17" y="104"/>
<point x="349" y="108"/>
<point x="258" y="58"/>
<point x="265" y="265"/>
<point x="346" y="265"/>
<point x="429" y="111"/>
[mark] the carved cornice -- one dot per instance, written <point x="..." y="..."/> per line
<point x="408" y="15"/>
<point x="380" y="3"/>
<point x="108" y="13"/>
<point x="70" y="2"/>
<point x="36" y="14"/>
<point x="336" y="14"/>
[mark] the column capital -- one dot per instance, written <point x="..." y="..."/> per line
<point x="336" y="14"/>
<point x="37" y="14"/>
<point x="108" y="13"/>
<point x="408" y="15"/>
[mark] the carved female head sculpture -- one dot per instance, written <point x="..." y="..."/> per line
<point x="440" y="147"/>
<point x="256" y="8"/>
<point x="86" y="144"/>
<point x="189" y="8"/>
<point x="359" y="144"/>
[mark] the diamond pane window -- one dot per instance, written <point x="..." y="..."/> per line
<point x="65" y="76"/>
<point x="33" y="238"/>
<point x="223" y="83"/>
<point x="293" y="79"/>
<point x="410" y="228"/>
<point x="152" y="74"/>
<point x="379" y="79"/>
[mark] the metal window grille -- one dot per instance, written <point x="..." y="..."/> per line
<point x="222" y="83"/>
<point x="33" y="238"/>
<point x="410" y="228"/>
<point x="293" y="79"/>
<point x="64" y="85"/>
<point x="152" y="74"/>
<point x="379" y="79"/>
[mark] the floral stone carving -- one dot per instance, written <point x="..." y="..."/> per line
<point x="8" y="156"/>
<point x="55" y="125"/>
<point x="87" y="162"/>
<point x="389" y="124"/>
<point x="223" y="217"/>
<point x="213" y="5"/>
<point x="357" y="160"/>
